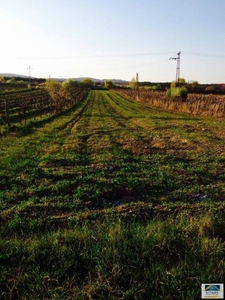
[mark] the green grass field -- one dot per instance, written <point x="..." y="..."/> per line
<point x="112" y="200"/>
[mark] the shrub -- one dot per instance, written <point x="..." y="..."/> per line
<point x="183" y="92"/>
<point x="177" y="92"/>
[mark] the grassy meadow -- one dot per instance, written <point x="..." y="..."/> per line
<point x="112" y="199"/>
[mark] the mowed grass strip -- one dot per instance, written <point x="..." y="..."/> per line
<point x="112" y="200"/>
<point x="112" y="150"/>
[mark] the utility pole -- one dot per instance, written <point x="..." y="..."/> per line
<point x="29" y="68"/>
<point x="178" y="66"/>
<point x="137" y="87"/>
<point x="137" y="82"/>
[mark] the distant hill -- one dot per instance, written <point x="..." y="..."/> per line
<point x="14" y="75"/>
<point x="117" y="81"/>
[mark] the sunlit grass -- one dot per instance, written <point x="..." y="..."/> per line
<point x="111" y="258"/>
<point x="112" y="200"/>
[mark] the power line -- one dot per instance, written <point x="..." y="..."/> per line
<point x="120" y="55"/>
<point x="205" y="54"/>
<point x="96" y="56"/>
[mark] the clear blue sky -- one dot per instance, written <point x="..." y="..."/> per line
<point x="114" y="39"/>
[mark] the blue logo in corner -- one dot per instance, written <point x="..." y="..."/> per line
<point x="212" y="291"/>
<point x="212" y="287"/>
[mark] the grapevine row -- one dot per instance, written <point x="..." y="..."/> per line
<point x="197" y="104"/>
<point x="18" y="107"/>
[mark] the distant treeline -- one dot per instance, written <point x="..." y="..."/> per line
<point x="17" y="83"/>
<point x="193" y="87"/>
<point x="26" y="79"/>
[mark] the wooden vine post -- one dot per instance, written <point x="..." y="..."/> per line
<point x="217" y="109"/>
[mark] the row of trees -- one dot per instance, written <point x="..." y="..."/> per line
<point x="86" y="82"/>
<point x="192" y="87"/>
<point x="178" y="89"/>
<point x="21" y="80"/>
<point x="11" y="80"/>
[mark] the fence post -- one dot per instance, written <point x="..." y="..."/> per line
<point x="198" y="106"/>
<point x="218" y="107"/>
<point x="223" y="110"/>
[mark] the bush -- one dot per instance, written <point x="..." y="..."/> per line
<point x="177" y="92"/>
<point x="168" y="93"/>
<point x="183" y="92"/>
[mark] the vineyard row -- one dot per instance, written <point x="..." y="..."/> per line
<point x="18" y="107"/>
<point x="196" y="104"/>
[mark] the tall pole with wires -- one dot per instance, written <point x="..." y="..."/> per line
<point x="137" y="82"/>
<point x="178" y="66"/>
<point x="137" y="86"/>
<point x="29" y="68"/>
